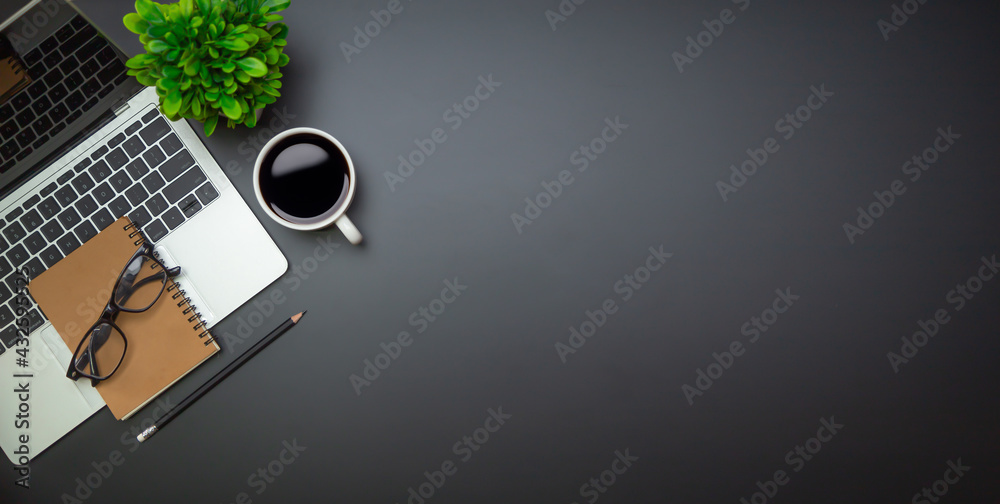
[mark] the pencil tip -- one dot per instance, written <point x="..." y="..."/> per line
<point x="297" y="316"/>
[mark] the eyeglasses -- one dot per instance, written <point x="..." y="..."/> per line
<point x="139" y="286"/>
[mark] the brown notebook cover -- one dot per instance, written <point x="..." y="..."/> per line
<point x="164" y="342"/>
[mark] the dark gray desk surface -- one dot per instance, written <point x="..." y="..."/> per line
<point x="495" y="345"/>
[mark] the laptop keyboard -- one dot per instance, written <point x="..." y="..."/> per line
<point x="142" y="171"/>
<point x="70" y="71"/>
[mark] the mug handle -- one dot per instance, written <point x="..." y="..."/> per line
<point x="350" y="231"/>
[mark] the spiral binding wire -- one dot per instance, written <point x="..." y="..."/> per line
<point x="137" y="231"/>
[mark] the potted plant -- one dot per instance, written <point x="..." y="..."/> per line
<point x="211" y="59"/>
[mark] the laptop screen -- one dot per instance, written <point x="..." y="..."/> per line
<point x="59" y="79"/>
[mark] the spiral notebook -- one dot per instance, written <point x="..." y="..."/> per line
<point x="165" y="342"/>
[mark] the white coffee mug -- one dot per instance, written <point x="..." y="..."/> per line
<point x="339" y="216"/>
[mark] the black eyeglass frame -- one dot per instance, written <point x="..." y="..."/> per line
<point x="110" y="313"/>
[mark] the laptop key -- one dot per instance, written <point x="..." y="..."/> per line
<point x="67" y="244"/>
<point x="65" y="196"/>
<point x="53" y="77"/>
<point x="78" y="40"/>
<point x="156" y="205"/>
<point x="5" y="293"/>
<point x="89" y="69"/>
<point x="35" y="319"/>
<point x="153" y="156"/>
<point x="17" y="256"/>
<point x="184" y="184"/>
<point x="173" y="218"/>
<point x="69" y="218"/>
<point x="133" y="146"/>
<point x="132" y="128"/>
<point x="116" y="158"/>
<point x="139" y="216"/>
<point x="37" y="89"/>
<point x="35" y="243"/>
<point x="83" y="183"/>
<point x="65" y="177"/>
<point x="30" y="202"/>
<point x="39" y="142"/>
<point x="189" y="206"/>
<point x="102" y="219"/>
<point x="25" y="138"/>
<point x="103" y="193"/>
<point x="152" y="114"/>
<point x="65" y="32"/>
<point x="5" y="268"/>
<point x="108" y="74"/>
<point x="9" y="129"/>
<point x="106" y="55"/>
<point x="48" y="207"/>
<point x="137" y="169"/>
<point x="86" y="205"/>
<point x="25" y="117"/>
<point x="8" y="149"/>
<point x="82" y="165"/>
<point x="90" y="48"/>
<point x="41" y="105"/>
<point x="85" y="231"/>
<point x="99" y="152"/>
<point x="14" y="213"/>
<point x="49" y="44"/>
<point x="32" y="57"/>
<point x="119" y="207"/>
<point x="31" y="219"/>
<point x="171" y="144"/>
<point x="176" y="165"/>
<point x="73" y="81"/>
<point x="154" y="131"/>
<point x="155" y="230"/>
<point x="7" y="317"/>
<point x="14" y="232"/>
<point x="50" y="256"/>
<point x="120" y="181"/>
<point x="79" y="23"/>
<point x="52" y="230"/>
<point x="100" y="170"/>
<point x="69" y="64"/>
<point x="136" y="194"/>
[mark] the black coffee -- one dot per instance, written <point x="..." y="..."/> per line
<point x="304" y="178"/>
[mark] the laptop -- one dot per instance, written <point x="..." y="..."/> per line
<point x="82" y="144"/>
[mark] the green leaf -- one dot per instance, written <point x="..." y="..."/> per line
<point x="242" y="76"/>
<point x="157" y="46"/>
<point x="230" y="107"/>
<point x="271" y="91"/>
<point x="228" y="66"/>
<point x="138" y="61"/>
<point x="149" y="11"/>
<point x="253" y="66"/>
<point x="237" y="45"/>
<point x="210" y="124"/>
<point x="276" y="5"/>
<point x="158" y="31"/>
<point x="196" y="107"/>
<point x="172" y="103"/>
<point x="250" y="39"/>
<point x="240" y="29"/>
<point x="204" y="6"/>
<point x="135" y="23"/>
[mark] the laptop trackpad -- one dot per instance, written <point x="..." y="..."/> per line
<point x="55" y="403"/>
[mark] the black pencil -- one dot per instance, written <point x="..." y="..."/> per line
<point x="221" y="375"/>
